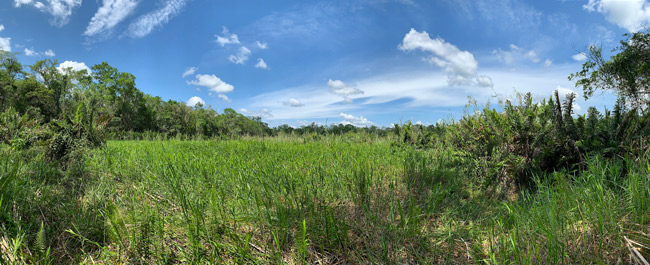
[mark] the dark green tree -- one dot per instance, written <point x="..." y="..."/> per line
<point x="627" y="72"/>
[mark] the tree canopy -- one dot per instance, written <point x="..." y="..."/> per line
<point x="627" y="72"/>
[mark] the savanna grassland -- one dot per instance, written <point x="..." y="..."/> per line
<point x="338" y="200"/>
<point x="93" y="171"/>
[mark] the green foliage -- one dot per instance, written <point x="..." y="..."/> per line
<point x="627" y="72"/>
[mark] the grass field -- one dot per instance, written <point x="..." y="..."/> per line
<point x="335" y="200"/>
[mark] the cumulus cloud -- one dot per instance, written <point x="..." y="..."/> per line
<point x="190" y="71"/>
<point x="292" y="102"/>
<point x="30" y="52"/>
<point x="579" y="57"/>
<point x="212" y="82"/>
<point x="148" y="22"/>
<point x="111" y="13"/>
<point x="2" y="27"/>
<point x="5" y="44"/>
<point x="262" y="113"/>
<point x="337" y="87"/>
<point x="241" y="57"/>
<point x="484" y="81"/>
<point x="76" y="66"/>
<point x="460" y="66"/>
<point x="355" y="121"/>
<point x="49" y="53"/>
<point x="262" y="45"/>
<point x="632" y="15"/>
<point x="261" y="64"/>
<point x="227" y="38"/>
<point x="59" y="9"/>
<point x="224" y="98"/>
<point x="195" y="100"/>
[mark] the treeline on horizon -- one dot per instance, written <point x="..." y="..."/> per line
<point x="44" y="104"/>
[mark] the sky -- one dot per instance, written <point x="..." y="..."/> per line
<point x="359" y="62"/>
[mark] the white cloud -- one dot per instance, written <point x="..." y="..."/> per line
<point x="548" y="62"/>
<point x="355" y="121"/>
<point x="460" y="66"/>
<point x="212" y="82"/>
<point x="224" y="98"/>
<point x="18" y="3"/>
<point x="195" y="100"/>
<point x="49" y="53"/>
<point x="414" y="89"/>
<point x="516" y="54"/>
<point x="262" y="45"/>
<point x="579" y="57"/>
<point x="5" y="44"/>
<point x="227" y="38"/>
<point x="241" y="57"/>
<point x="261" y="64"/>
<point x="2" y="27"/>
<point x="292" y="102"/>
<point x="190" y="71"/>
<point x="76" y="66"/>
<point x="29" y="52"/>
<point x="262" y="113"/>
<point x="337" y="87"/>
<point x="484" y="81"/>
<point x="532" y="56"/>
<point x="148" y="22"/>
<point x="632" y="15"/>
<point x="59" y="9"/>
<point x="111" y="13"/>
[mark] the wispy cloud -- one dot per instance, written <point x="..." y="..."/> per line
<point x="337" y="87"/>
<point x="190" y="71"/>
<point x="224" y="98"/>
<point x="111" y="13"/>
<point x="411" y="89"/>
<point x="292" y="102"/>
<point x="59" y="9"/>
<point x="49" y="53"/>
<point x="154" y="19"/>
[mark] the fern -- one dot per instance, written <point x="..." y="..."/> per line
<point x="40" y="239"/>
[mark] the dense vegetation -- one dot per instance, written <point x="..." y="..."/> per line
<point x="525" y="182"/>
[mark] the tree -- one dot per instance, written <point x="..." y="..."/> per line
<point x="627" y="72"/>
<point x="10" y="70"/>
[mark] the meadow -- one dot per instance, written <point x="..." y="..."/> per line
<point x="350" y="199"/>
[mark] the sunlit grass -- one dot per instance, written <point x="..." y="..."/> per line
<point x="329" y="200"/>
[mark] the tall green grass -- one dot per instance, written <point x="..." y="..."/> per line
<point x="330" y="200"/>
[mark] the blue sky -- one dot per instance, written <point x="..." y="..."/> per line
<point x="361" y="62"/>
